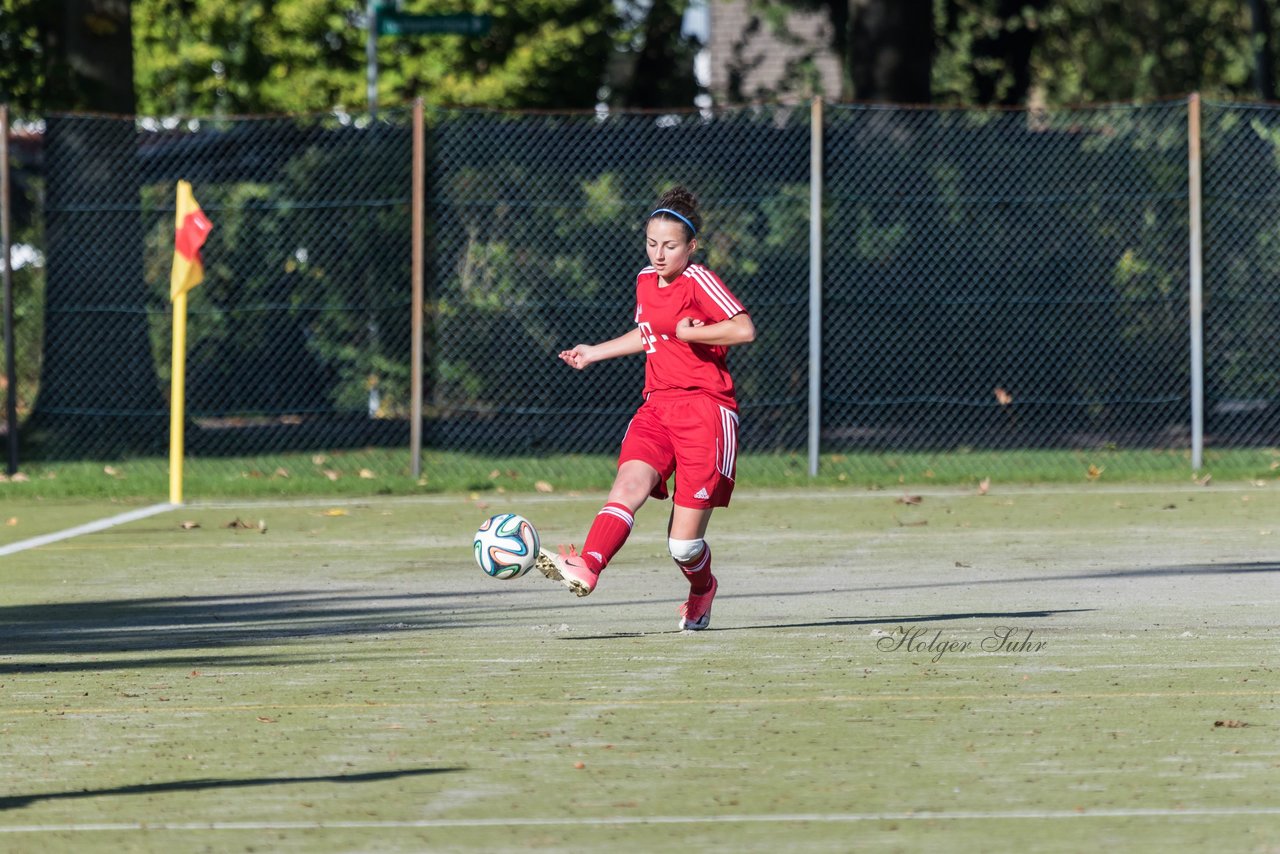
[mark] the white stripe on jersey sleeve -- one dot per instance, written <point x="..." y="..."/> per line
<point x="715" y="289"/>
<point x="648" y="269"/>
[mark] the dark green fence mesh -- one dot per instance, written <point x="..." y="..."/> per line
<point x="1006" y="280"/>
<point x="1003" y="283"/>
<point x="1242" y="274"/>
<point x="537" y="237"/>
<point x="298" y="336"/>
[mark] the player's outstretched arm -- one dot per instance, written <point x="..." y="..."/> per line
<point x="738" y="329"/>
<point x="588" y="354"/>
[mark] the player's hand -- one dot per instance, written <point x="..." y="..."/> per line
<point x="684" y="325"/>
<point x="579" y="357"/>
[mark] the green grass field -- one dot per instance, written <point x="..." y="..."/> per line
<point x="1034" y="669"/>
<point x="386" y="471"/>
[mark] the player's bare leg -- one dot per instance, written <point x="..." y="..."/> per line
<point x="580" y="572"/>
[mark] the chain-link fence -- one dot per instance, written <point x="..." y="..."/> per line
<point x="1006" y="283"/>
<point x="1006" y="279"/>
<point x="537" y="236"/>
<point x="1242" y="274"/>
<point x="298" y="337"/>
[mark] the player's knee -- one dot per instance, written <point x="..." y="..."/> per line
<point x="684" y="551"/>
<point x="633" y="483"/>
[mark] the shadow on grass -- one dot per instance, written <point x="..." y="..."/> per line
<point x="213" y="624"/>
<point x="1213" y="569"/>
<point x="916" y="618"/>
<point x="18" y="801"/>
<point x="107" y="634"/>
<point x="1234" y="568"/>
<point x="856" y="621"/>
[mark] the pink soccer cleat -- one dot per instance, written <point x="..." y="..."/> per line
<point x="569" y="569"/>
<point x="695" y="614"/>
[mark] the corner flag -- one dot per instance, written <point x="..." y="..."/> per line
<point x="191" y="229"/>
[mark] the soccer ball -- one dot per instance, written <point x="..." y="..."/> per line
<point x="506" y="545"/>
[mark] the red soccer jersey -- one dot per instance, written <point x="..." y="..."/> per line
<point x="669" y="362"/>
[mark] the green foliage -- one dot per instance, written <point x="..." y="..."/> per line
<point x="21" y="71"/>
<point x="1083" y="50"/>
<point x="1102" y="50"/>
<point x="309" y="56"/>
<point x="28" y="328"/>
<point x="1095" y="50"/>
<point x="28" y="257"/>
<point x="961" y="25"/>
<point x="204" y="58"/>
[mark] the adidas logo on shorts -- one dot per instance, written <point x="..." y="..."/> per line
<point x="702" y="493"/>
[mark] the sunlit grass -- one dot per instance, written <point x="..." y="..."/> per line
<point x="377" y="471"/>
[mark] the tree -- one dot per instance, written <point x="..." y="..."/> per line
<point x="885" y="46"/>
<point x="88" y="53"/>
<point x="1264" y="72"/>
<point x="1097" y="50"/>
<point x="891" y="50"/>
<point x="21" y="57"/>
<point x="1065" y="51"/>
<point x="985" y="50"/>
<point x="657" y="58"/>
<point x="257" y="56"/>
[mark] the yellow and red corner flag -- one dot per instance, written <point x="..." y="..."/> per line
<point x="191" y="229"/>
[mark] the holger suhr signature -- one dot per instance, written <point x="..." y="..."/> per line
<point x="919" y="639"/>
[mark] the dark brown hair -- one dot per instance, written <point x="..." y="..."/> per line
<point x="678" y="204"/>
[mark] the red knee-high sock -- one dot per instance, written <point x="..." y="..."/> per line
<point x="699" y="571"/>
<point x="608" y="532"/>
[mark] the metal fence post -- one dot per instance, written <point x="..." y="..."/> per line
<point x="1196" y="295"/>
<point x="417" y="265"/>
<point x="815" y="285"/>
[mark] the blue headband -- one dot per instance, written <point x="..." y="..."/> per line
<point x="677" y="216"/>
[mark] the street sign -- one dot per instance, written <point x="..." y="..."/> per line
<point x="393" y="23"/>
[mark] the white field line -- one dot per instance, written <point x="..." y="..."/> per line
<point x="570" y="821"/>
<point x="87" y="528"/>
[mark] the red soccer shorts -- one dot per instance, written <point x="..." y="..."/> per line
<point x="690" y="434"/>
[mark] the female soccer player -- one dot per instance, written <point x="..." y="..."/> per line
<point x="686" y="319"/>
